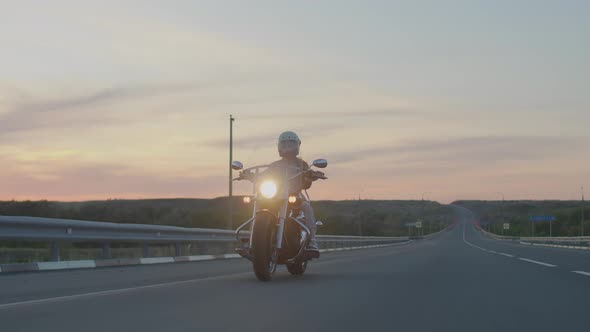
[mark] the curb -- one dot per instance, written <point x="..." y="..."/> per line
<point x="90" y="264"/>
<point x="117" y="262"/>
<point x="24" y="267"/>
<point x="86" y="264"/>
<point x="156" y="260"/>
<point x="365" y="247"/>
<point x="554" y="245"/>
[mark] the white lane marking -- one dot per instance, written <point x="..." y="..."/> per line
<point x="537" y="262"/>
<point x="522" y="259"/>
<point x="130" y="289"/>
<point x="484" y="249"/>
<point x="469" y="243"/>
<point x="115" y="291"/>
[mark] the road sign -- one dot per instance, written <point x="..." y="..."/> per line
<point x="506" y="226"/>
<point x="418" y="224"/>
<point x="542" y="218"/>
<point x="410" y="224"/>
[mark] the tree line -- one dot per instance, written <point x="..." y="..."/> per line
<point x="568" y="217"/>
<point x="349" y="217"/>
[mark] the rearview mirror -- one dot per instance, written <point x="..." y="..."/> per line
<point x="236" y="165"/>
<point x="320" y="163"/>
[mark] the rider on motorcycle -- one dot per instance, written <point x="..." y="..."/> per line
<point x="288" y="146"/>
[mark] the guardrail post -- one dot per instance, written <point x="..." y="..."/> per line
<point x="54" y="251"/>
<point x="200" y="248"/>
<point x="177" y="249"/>
<point x="106" y="250"/>
<point x="146" y="250"/>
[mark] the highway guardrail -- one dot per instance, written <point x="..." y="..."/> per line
<point x="183" y="241"/>
<point x="562" y="241"/>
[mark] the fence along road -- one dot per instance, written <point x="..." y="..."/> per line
<point x="210" y="243"/>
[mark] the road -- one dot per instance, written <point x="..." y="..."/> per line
<point x="458" y="281"/>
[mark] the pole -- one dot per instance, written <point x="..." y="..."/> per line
<point x="423" y="213"/>
<point x="231" y="157"/>
<point x="503" y="217"/>
<point x="582" y="221"/>
<point x="502" y="214"/>
<point x="359" y="216"/>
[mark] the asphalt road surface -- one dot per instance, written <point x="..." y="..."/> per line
<point x="458" y="281"/>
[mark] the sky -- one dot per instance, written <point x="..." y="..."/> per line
<point x="456" y="99"/>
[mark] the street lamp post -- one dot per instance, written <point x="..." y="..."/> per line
<point x="360" y="224"/>
<point x="502" y="211"/>
<point x="582" y="219"/>
<point x="230" y="207"/>
<point x="423" y="212"/>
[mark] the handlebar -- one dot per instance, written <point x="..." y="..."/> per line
<point x="315" y="175"/>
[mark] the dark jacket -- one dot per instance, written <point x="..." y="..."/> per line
<point x="293" y="167"/>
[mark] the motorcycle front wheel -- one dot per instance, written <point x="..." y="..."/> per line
<point x="264" y="255"/>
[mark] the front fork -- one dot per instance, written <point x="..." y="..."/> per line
<point x="245" y="252"/>
<point x="281" y="227"/>
<point x="282" y="218"/>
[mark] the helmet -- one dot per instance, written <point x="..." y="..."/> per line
<point x="288" y="144"/>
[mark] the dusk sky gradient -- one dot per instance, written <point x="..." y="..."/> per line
<point x="131" y="99"/>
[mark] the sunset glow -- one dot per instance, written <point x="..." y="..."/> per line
<point x="132" y="101"/>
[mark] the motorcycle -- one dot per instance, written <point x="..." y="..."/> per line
<point x="278" y="232"/>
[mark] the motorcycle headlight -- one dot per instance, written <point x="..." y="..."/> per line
<point x="268" y="189"/>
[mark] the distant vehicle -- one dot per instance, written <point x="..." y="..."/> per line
<point x="278" y="232"/>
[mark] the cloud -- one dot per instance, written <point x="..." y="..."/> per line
<point x="375" y="113"/>
<point x="99" y="108"/>
<point x="104" y="180"/>
<point x="75" y="102"/>
<point x="80" y="111"/>
<point x="249" y="142"/>
<point x="269" y="139"/>
<point x="474" y="149"/>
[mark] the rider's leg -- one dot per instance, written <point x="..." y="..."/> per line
<point x="310" y="222"/>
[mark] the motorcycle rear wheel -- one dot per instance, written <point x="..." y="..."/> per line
<point x="264" y="255"/>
